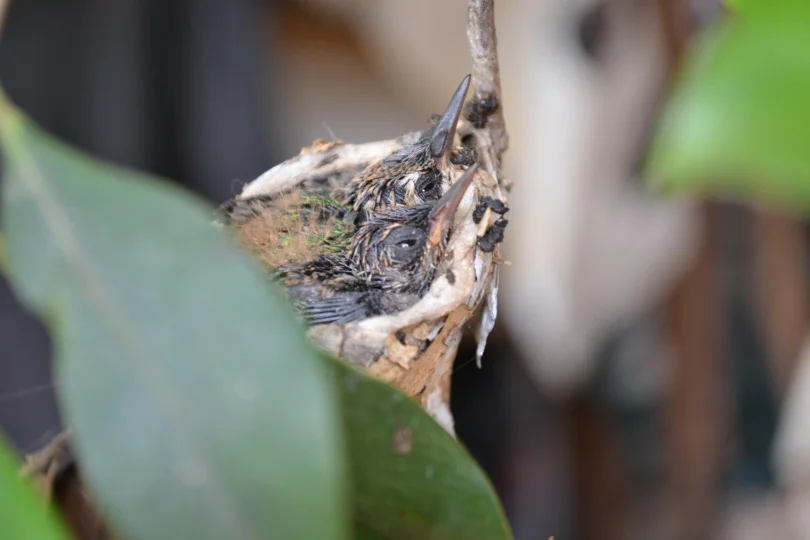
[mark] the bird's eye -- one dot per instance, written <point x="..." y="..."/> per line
<point x="405" y="245"/>
<point x="428" y="186"/>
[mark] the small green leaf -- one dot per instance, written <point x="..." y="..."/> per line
<point x="411" y="479"/>
<point x="22" y="514"/>
<point x="199" y="409"/>
<point x="739" y="121"/>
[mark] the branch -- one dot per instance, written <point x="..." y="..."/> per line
<point x="486" y="75"/>
<point x="43" y="466"/>
<point x="39" y="461"/>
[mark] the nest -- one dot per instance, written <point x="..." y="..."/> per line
<point x="415" y="348"/>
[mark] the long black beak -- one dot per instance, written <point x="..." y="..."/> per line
<point x="443" y="133"/>
<point x="441" y="217"/>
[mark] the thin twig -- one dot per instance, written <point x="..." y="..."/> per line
<point x="43" y="466"/>
<point x="486" y="76"/>
<point x="39" y="461"/>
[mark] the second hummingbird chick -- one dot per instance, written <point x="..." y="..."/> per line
<point x="389" y="266"/>
<point x="418" y="173"/>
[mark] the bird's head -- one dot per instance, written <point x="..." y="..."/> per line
<point x="418" y="173"/>
<point x="400" y="246"/>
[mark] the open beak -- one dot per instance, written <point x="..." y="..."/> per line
<point x="443" y="133"/>
<point x="441" y="217"/>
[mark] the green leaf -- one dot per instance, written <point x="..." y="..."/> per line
<point x="411" y="478"/>
<point x="755" y="7"/>
<point x="22" y="514"/>
<point x="739" y="121"/>
<point x="199" y="410"/>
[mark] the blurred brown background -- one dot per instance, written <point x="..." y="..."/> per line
<point x="646" y="350"/>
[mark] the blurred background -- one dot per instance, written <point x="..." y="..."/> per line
<point x="636" y="384"/>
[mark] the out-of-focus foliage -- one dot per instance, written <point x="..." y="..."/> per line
<point x="199" y="409"/>
<point x="411" y="479"/>
<point x="739" y="121"/>
<point x="22" y="515"/>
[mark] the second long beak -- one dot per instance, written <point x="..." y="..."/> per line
<point x="441" y="217"/>
<point x="443" y="133"/>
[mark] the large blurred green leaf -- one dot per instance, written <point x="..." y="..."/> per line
<point x="22" y="515"/>
<point x="738" y="124"/>
<point x="411" y="478"/>
<point x="199" y="410"/>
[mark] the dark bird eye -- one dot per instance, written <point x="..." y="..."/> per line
<point x="428" y="186"/>
<point x="405" y="245"/>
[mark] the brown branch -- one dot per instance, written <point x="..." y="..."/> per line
<point x="42" y="467"/>
<point x="486" y="76"/>
<point x="39" y="461"/>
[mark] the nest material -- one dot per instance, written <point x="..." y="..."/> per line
<point x="415" y="348"/>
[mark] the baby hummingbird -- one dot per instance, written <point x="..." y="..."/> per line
<point x="415" y="174"/>
<point x="389" y="266"/>
<point x="300" y="225"/>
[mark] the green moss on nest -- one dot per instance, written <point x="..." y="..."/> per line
<point x="321" y="201"/>
<point x="335" y="240"/>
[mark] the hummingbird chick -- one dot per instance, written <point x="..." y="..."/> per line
<point x="418" y="173"/>
<point x="389" y="266"/>
<point x="321" y="219"/>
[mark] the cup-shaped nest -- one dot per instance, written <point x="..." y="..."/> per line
<point x="414" y="349"/>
